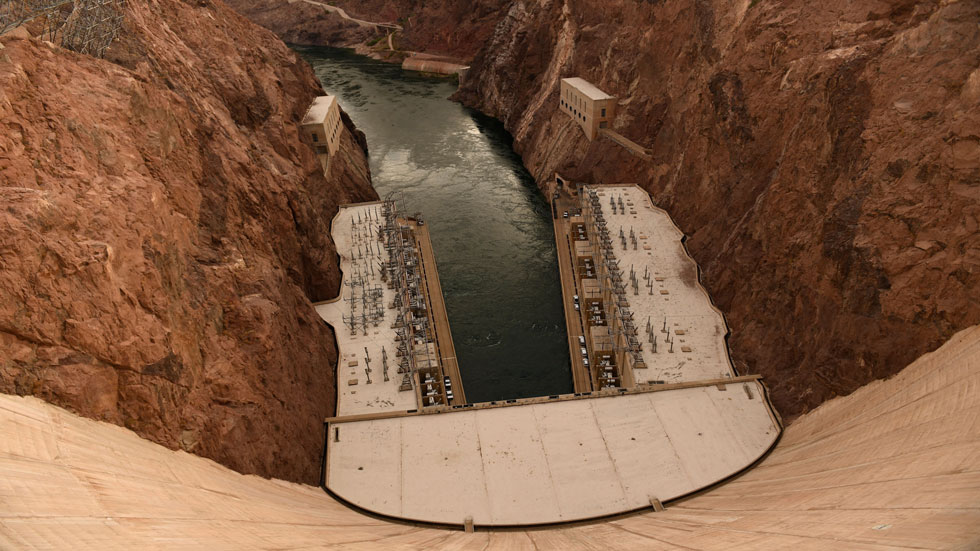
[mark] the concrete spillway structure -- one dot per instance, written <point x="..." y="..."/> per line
<point x="896" y="465"/>
<point x="606" y="450"/>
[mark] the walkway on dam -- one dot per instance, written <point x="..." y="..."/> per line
<point x="893" y="466"/>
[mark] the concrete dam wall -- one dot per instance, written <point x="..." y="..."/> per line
<point x="894" y="465"/>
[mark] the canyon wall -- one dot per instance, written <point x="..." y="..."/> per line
<point x="304" y="22"/>
<point x="163" y="232"/>
<point x="448" y="28"/>
<point x="823" y="159"/>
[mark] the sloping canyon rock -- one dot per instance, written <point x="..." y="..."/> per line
<point x="163" y="231"/>
<point x="823" y="158"/>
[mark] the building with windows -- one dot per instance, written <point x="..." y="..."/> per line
<point x="591" y="108"/>
<point x="322" y="123"/>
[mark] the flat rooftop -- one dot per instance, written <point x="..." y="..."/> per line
<point x="550" y="462"/>
<point x="366" y="319"/>
<point x="586" y="88"/>
<point x="354" y="234"/>
<point x="317" y="113"/>
<point x="668" y="290"/>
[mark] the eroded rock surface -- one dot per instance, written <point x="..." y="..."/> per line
<point x="451" y="28"/>
<point x="824" y="159"/>
<point x="305" y="22"/>
<point x="163" y="231"/>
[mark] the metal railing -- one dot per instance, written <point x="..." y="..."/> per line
<point x="14" y="13"/>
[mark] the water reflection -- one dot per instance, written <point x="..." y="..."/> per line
<point x="490" y="227"/>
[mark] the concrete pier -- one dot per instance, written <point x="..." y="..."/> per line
<point x="642" y="311"/>
<point x="395" y="348"/>
<point x="646" y="425"/>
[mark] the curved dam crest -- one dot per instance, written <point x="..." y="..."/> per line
<point x="854" y="473"/>
<point x="651" y="418"/>
<point x="649" y="424"/>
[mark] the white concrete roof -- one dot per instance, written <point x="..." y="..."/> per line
<point x="319" y="109"/>
<point x="677" y="295"/>
<point x="553" y="461"/>
<point x="354" y="229"/>
<point x="893" y="466"/>
<point x="586" y="88"/>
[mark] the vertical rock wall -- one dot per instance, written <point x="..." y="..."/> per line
<point x="163" y="232"/>
<point x="824" y="160"/>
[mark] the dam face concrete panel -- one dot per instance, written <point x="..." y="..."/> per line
<point x="893" y="466"/>
<point x="518" y="481"/>
<point x="554" y="461"/>
<point x="636" y="443"/>
<point x="358" y="467"/>
<point x="576" y="451"/>
<point x="426" y="491"/>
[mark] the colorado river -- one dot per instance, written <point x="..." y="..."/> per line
<point x="490" y="227"/>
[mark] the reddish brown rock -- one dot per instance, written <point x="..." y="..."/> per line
<point x="823" y="159"/>
<point x="304" y="23"/>
<point x="450" y="28"/>
<point x="163" y="232"/>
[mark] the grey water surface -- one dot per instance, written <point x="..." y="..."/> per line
<point x="490" y="226"/>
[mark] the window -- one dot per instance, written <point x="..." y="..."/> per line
<point x="315" y="139"/>
<point x="603" y="112"/>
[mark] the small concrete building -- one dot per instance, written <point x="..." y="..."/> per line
<point x="322" y="124"/>
<point x="589" y="106"/>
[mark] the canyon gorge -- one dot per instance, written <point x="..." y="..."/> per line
<point x="823" y="159"/>
<point x="165" y="229"/>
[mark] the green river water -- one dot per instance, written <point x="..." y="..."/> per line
<point x="490" y="226"/>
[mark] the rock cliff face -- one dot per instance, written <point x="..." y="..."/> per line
<point x="444" y="27"/>
<point x="163" y="231"/>
<point x="453" y="28"/>
<point x="304" y="23"/>
<point x="824" y="159"/>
